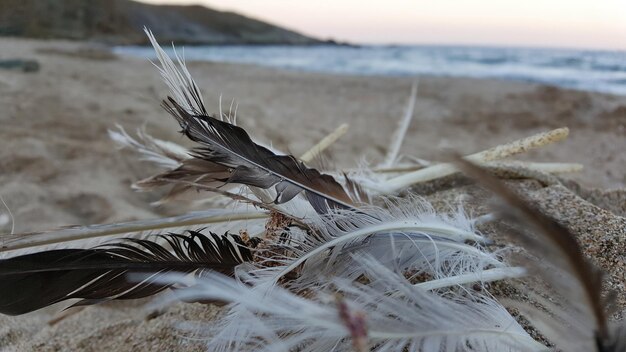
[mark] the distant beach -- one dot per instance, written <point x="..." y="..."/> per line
<point x="597" y="71"/>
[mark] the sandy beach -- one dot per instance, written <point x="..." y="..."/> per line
<point x="58" y="166"/>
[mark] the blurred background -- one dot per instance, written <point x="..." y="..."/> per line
<point x="487" y="71"/>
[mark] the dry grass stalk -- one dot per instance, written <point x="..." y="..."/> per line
<point x="496" y="153"/>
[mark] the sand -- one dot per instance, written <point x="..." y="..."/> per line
<point x="58" y="166"/>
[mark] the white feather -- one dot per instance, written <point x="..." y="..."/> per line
<point x="182" y="86"/>
<point x="407" y="235"/>
<point x="415" y="320"/>
<point x="403" y="126"/>
<point x="164" y="154"/>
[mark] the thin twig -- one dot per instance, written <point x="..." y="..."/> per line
<point x="553" y="168"/>
<point x="445" y="169"/>
<point x="324" y="143"/>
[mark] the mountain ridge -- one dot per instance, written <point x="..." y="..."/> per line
<point x="121" y="22"/>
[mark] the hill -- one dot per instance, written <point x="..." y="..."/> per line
<point x="121" y="22"/>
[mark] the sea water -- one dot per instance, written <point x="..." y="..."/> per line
<point x="600" y="71"/>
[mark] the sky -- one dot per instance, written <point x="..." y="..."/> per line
<point x="597" y="24"/>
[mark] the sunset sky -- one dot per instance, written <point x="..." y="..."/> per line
<point x="543" y="23"/>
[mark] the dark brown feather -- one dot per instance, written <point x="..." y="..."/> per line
<point x="33" y="281"/>
<point x="194" y="171"/>
<point x="251" y="164"/>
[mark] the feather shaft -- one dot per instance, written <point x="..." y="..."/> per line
<point x="21" y="241"/>
<point x="403" y="126"/>
<point x="488" y="275"/>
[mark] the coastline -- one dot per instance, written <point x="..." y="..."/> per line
<point x="583" y="70"/>
<point x="59" y="166"/>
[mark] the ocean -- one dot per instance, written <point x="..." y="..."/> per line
<point x="599" y="71"/>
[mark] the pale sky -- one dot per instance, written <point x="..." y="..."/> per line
<point x="544" y="23"/>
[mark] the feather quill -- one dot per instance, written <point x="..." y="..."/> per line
<point x="84" y="236"/>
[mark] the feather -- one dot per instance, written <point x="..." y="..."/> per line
<point x="403" y="125"/>
<point x="85" y="236"/>
<point x="414" y="320"/>
<point x="162" y="153"/>
<point x="192" y="171"/>
<point x="182" y="86"/>
<point x="355" y="190"/>
<point x="228" y="155"/>
<point x="176" y="159"/>
<point x="407" y="235"/>
<point x="560" y="258"/>
<point x="186" y="93"/>
<point x="617" y="341"/>
<point x="37" y="280"/>
<point x="251" y="164"/>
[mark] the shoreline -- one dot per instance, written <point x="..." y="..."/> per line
<point x="503" y="80"/>
<point x="592" y="71"/>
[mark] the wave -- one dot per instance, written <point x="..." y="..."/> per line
<point x="601" y="71"/>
